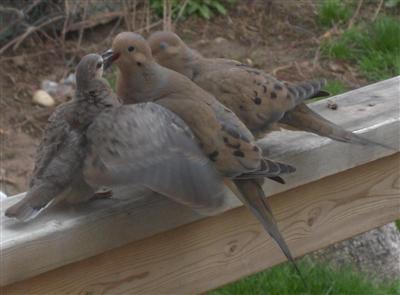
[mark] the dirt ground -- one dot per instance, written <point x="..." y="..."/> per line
<point x="282" y="38"/>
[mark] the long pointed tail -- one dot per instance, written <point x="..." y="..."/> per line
<point x="35" y="201"/>
<point x="253" y="197"/>
<point x="305" y="119"/>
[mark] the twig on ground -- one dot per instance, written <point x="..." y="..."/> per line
<point x="298" y="68"/>
<point x="377" y="10"/>
<point x="281" y="68"/>
<point x="81" y="30"/>
<point x="316" y="58"/>
<point x="111" y="33"/>
<point x="99" y="19"/>
<point x="355" y="15"/>
<point x="148" y="15"/>
<point x="64" y="29"/>
<point x="125" y="7"/>
<point x="155" y="24"/>
<point x="31" y="29"/>
<point x="181" y="10"/>
<point x="133" y="20"/>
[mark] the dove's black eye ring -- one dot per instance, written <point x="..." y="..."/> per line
<point x="99" y="64"/>
<point x="131" y="48"/>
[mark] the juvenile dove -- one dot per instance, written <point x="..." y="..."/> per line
<point x="222" y="136"/>
<point x="257" y="98"/>
<point x="57" y="172"/>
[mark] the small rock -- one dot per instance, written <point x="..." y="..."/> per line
<point x="49" y="86"/>
<point x="249" y="61"/>
<point x="220" y="40"/>
<point x="42" y="98"/>
<point x="70" y="80"/>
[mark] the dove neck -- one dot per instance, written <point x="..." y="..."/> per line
<point x="191" y="60"/>
<point x="140" y="83"/>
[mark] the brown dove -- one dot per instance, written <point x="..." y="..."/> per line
<point x="222" y="136"/>
<point x="57" y="172"/>
<point x="257" y="98"/>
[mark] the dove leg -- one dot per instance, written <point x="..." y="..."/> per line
<point x="79" y="192"/>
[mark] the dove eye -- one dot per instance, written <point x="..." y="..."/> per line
<point x="131" y="48"/>
<point x="99" y="65"/>
<point x="163" y="45"/>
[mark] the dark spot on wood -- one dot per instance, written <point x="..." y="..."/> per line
<point x="139" y="64"/>
<point x="288" y="96"/>
<point x="273" y="94"/>
<point x="213" y="156"/>
<point x="256" y="148"/>
<point x="238" y="154"/>
<point x="278" y="87"/>
<point x="241" y="107"/>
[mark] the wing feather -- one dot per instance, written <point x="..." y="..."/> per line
<point x="148" y="145"/>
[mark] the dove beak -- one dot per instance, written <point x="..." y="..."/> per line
<point x="109" y="57"/>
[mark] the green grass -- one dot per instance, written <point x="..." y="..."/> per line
<point x="321" y="280"/>
<point x="203" y="8"/>
<point x="333" y="11"/>
<point x="397" y="223"/>
<point x="375" y="48"/>
<point x="335" y="87"/>
<point x="111" y="76"/>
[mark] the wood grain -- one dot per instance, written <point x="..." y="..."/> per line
<point x="209" y="253"/>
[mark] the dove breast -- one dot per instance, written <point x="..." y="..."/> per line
<point x="146" y="144"/>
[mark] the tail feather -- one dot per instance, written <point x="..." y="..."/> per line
<point x="307" y="90"/>
<point x="35" y="201"/>
<point x="270" y="169"/>
<point x="253" y="197"/>
<point x="305" y="119"/>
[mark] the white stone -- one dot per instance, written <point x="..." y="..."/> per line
<point x="42" y="98"/>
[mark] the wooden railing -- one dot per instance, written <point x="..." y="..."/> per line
<point x="142" y="243"/>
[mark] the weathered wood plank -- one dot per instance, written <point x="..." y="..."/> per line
<point x="214" y="251"/>
<point x="73" y="233"/>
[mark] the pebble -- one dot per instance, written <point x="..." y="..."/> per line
<point x="42" y="98"/>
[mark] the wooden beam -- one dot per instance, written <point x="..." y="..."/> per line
<point x="69" y="234"/>
<point x="209" y="253"/>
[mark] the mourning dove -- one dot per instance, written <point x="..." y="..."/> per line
<point x="222" y="136"/>
<point x="257" y="98"/>
<point x="58" y="166"/>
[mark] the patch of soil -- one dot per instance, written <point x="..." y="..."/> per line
<point x="277" y="36"/>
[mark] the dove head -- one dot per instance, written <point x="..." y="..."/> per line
<point x="89" y="70"/>
<point x="171" y="52"/>
<point x="129" y="51"/>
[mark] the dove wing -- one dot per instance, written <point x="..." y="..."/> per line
<point x="146" y="144"/>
